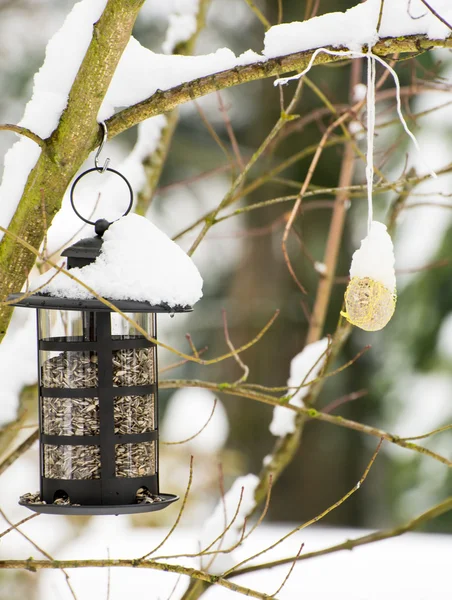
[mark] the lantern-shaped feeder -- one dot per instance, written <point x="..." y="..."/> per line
<point x="98" y="399"/>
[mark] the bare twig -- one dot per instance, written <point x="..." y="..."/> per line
<point x="231" y="347"/>
<point x="192" y="437"/>
<point x="23" y="131"/>
<point x="436" y="13"/>
<point x="432" y="513"/>
<point x="286" y="578"/>
<point x="179" y="516"/>
<point x="259" y="14"/>
<point x="24" y="446"/>
<point x="315" y="519"/>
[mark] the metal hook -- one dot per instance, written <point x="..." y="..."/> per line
<point x="99" y="150"/>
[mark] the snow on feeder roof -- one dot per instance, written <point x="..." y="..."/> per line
<point x="137" y="262"/>
<point x="98" y="377"/>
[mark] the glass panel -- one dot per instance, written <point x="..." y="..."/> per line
<point x="71" y="462"/>
<point x="120" y="327"/>
<point x="134" y="414"/>
<point x="70" y="324"/>
<point x="135" y="460"/>
<point x="70" y="416"/>
<point x="133" y="367"/>
<point x="68" y="369"/>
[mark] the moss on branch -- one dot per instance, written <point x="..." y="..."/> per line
<point x="78" y="132"/>
<point x="69" y="145"/>
<point x="163" y="101"/>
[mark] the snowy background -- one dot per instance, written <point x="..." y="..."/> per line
<point x="407" y="374"/>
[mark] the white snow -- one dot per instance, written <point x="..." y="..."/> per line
<point x="216" y="524"/>
<point x="414" y="565"/>
<point x="141" y="72"/>
<point x="18" y="361"/>
<point x="52" y="84"/>
<point x="137" y="262"/>
<point x="359" y="92"/>
<point x="304" y="367"/>
<point x="375" y="257"/>
<point x="187" y="412"/>
<point x="180" y="29"/>
<point x="444" y="341"/>
<point x="351" y="29"/>
<point x="357" y="27"/>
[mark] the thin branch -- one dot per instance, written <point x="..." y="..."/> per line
<point x="179" y="516"/>
<point x="429" y="434"/>
<point x="432" y="513"/>
<point x="192" y="437"/>
<point x="238" y="360"/>
<point x="286" y="578"/>
<point x="24" y="446"/>
<point x="311" y="413"/>
<point x="16" y="525"/>
<point x="25" y="132"/>
<point x="437" y="15"/>
<point x="37" y="565"/>
<point x="39" y="549"/>
<point x="316" y="519"/>
<point x="262" y="18"/>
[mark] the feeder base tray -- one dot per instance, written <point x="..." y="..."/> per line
<point x="105" y="509"/>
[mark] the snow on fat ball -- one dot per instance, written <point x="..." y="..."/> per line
<point x="137" y="262"/>
<point x="370" y="297"/>
<point x="305" y="367"/>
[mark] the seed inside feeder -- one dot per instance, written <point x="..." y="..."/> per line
<point x="71" y="462"/>
<point x="80" y="416"/>
<point x="135" y="460"/>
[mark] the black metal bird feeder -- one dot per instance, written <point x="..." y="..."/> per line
<point x="98" y="399"/>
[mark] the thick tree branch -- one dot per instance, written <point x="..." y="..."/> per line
<point x="76" y="135"/>
<point x="163" y="101"/>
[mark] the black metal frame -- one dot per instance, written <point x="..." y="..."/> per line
<point x="108" y="494"/>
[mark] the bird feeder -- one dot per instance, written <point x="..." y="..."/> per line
<point x="98" y="398"/>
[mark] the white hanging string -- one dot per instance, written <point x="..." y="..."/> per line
<point x="370" y="136"/>
<point x="368" y="55"/>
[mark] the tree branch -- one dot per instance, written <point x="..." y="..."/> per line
<point x="165" y="100"/>
<point x="76" y="135"/>
<point x="23" y="131"/>
<point x="37" y="565"/>
<point x="430" y="514"/>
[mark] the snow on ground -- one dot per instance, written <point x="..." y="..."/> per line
<point x="133" y="246"/>
<point x="305" y="367"/>
<point x="414" y="566"/>
<point x="228" y="519"/>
